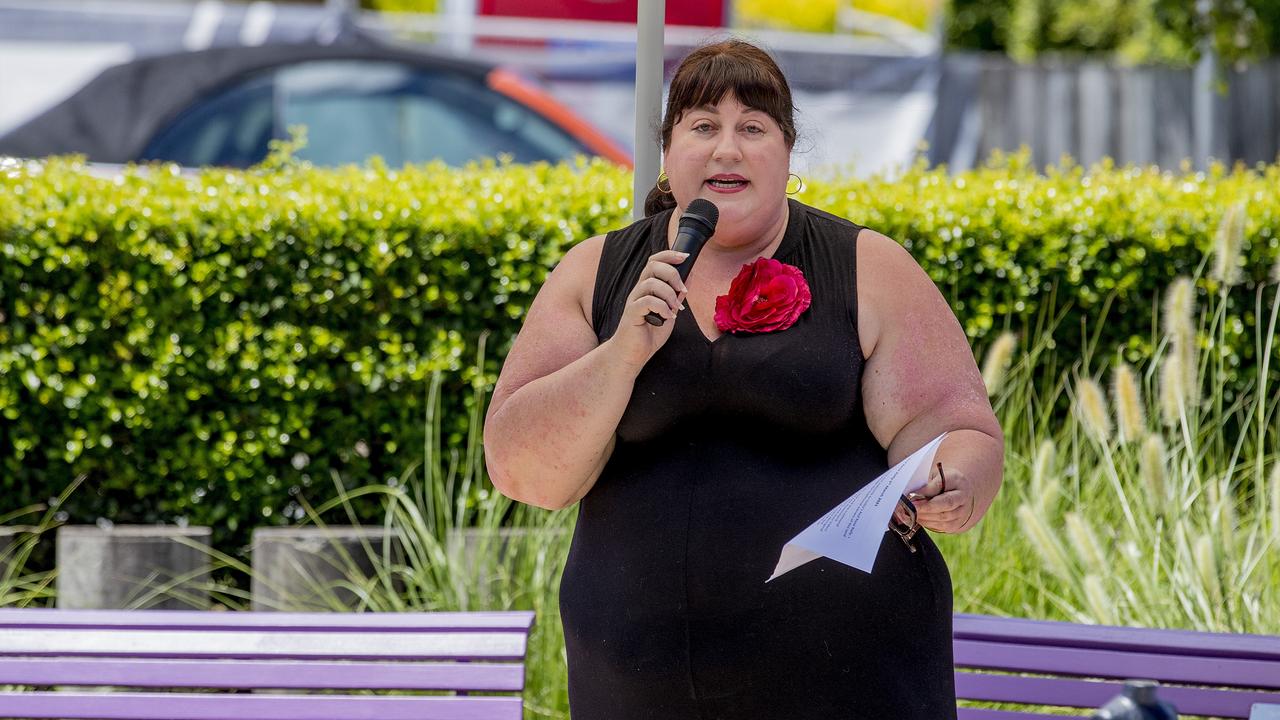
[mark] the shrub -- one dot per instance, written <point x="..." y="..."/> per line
<point x="203" y="348"/>
<point x="1004" y="243"/>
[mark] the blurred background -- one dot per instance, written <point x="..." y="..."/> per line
<point x="877" y="81"/>
<point x="260" y="369"/>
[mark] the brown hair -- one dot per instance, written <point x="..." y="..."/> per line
<point x="711" y="72"/>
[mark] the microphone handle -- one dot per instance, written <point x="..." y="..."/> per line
<point x="690" y="241"/>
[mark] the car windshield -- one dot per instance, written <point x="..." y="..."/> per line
<point x="355" y="109"/>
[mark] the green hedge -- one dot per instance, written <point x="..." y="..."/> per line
<point x="206" y="347"/>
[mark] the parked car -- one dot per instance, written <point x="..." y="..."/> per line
<point x="222" y="106"/>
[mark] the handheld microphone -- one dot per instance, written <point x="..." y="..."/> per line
<point x="697" y="225"/>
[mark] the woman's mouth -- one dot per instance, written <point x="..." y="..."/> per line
<point x="727" y="184"/>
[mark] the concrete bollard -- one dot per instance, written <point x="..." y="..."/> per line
<point x="126" y="566"/>
<point x="303" y="568"/>
<point x="467" y="544"/>
<point x="492" y="555"/>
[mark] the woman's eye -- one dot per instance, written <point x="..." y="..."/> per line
<point x="702" y="127"/>
<point x="755" y="129"/>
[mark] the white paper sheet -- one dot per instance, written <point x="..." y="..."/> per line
<point x="851" y="531"/>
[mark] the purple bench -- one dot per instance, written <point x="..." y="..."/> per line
<point x="247" y="653"/>
<point x="1084" y="666"/>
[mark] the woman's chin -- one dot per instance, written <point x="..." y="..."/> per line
<point x="735" y="207"/>
<point x="738" y="203"/>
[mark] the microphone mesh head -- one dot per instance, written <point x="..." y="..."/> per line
<point x="704" y="210"/>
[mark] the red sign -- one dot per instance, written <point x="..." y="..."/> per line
<point x="700" y="13"/>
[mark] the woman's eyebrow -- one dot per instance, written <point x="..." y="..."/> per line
<point x="708" y="107"/>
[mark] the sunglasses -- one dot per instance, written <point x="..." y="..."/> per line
<point x="906" y="531"/>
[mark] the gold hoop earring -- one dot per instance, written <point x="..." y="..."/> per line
<point x="799" y="183"/>
<point x="663" y="176"/>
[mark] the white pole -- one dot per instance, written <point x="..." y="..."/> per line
<point x="1202" y="94"/>
<point x="462" y="21"/>
<point x="650" y="20"/>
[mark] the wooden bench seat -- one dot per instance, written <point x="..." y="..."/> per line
<point x="189" y="654"/>
<point x="138" y="653"/>
<point x="1084" y="666"/>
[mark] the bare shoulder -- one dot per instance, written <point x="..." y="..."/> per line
<point x="920" y="377"/>
<point x="557" y="328"/>
<point x="888" y="278"/>
<point x="577" y="270"/>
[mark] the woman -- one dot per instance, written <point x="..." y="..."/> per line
<point x="698" y="448"/>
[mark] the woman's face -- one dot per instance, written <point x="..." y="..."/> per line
<point x="737" y="158"/>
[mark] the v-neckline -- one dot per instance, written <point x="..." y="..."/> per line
<point x="698" y="328"/>
<point x="789" y="241"/>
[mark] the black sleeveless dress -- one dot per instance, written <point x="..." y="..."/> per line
<point x="727" y="450"/>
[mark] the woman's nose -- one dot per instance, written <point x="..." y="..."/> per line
<point x="727" y="146"/>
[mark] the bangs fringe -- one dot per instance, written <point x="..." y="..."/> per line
<point x="711" y="73"/>
<point x="722" y="75"/>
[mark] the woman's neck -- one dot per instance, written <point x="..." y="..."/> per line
<point x="726" y="249"/>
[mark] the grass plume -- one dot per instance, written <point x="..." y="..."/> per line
<point x="1091" y="409"/>
<point x="1274" y="483"/>
<point x="1228" y="244"/>
<point x="1044" y="542"/>
<point x="1151" y="468"/>
<point x="1085" y="543"/>
<point x="996" y="365"/>
<point x="1099" y="602"/>
<point x="1130" y="414"/>
<point x="1179" y="311"/>
<point x="1172" y="391"/>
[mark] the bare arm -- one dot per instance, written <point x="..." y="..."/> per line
<point x="551" y="424"/>
<point x="921" y="380"/>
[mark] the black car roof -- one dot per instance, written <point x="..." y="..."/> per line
<point x="111" y="118"/>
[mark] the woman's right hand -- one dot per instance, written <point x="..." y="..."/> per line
<point x="658" y="290"/>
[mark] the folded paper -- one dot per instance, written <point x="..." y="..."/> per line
<point x="852" y="531"/>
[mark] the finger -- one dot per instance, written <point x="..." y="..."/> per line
<point x="949" y="500"/>
<point x="945" y="528"/>
<point x="663" y="288"/>
<point x="668" y="257"/>
<point x="668" y="274"/>
<point x="657" y="288"/>
<point x="646" y="304"/>
<point x="952" y="523"/>
<point x="946" y="520"/>
<point x="934" y="486"/>
<point x="956" y="517"/>
<point x="938" y="514"/>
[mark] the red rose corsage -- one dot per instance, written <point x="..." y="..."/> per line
<point x="766" y="296"/>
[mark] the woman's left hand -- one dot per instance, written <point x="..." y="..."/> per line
<point x="948" y="507"/>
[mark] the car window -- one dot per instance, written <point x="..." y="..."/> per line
<point x="230" y="128"/>
<point x="354" y="109"/>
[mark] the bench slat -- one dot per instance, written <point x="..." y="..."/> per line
<point x="968" y="713"/>
<point x="1017" y="657"/>
<point x="174" y="706"/>
<point x="512" y="621"/>
<point x="1093" y="694"/>
<point x="248" y="645"/>
<point x="169" y="673"/>
<point x="1063" y="634"/>
<point x="1036" y="691"/>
